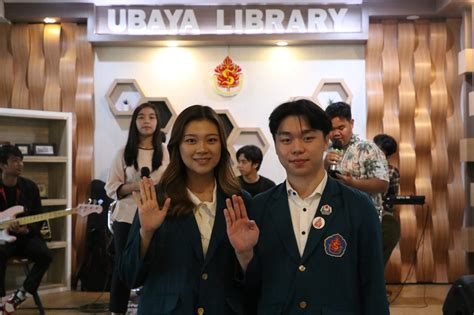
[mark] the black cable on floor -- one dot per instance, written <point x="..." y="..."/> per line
<point x="412" y="265"/>
<point x="95" y="307"/>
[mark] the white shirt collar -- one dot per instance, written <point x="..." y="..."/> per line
<point x="318" y="190"/>
<point x="197" y="202"/>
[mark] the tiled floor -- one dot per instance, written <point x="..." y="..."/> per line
<point x="406" y="300"/>
<point x="417" y="299"/>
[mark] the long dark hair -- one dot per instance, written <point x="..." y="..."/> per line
<point x="174" y="178"/>
<point x="131" y="149"/>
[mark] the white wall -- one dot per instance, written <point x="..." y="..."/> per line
<point x="272" y="75"/>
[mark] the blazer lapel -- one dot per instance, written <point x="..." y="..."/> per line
<point x="280" y="214"/>
<point x="330" y="197"/>
<point x="219" y="230"/>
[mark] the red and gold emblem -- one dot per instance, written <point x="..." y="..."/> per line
<point x="319" y="223"/>
<point x="228" y="77"/>
<point x="335" y="245"/>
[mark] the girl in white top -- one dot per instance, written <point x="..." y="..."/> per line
<point x="144" y="154"/>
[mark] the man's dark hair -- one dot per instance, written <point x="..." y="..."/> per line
<point x="386" y="143"/>
<point x="340" y="110"/>
<point x="251" y="153"/>
<point x="312" y="113"/>
<point x="8" y="150"/>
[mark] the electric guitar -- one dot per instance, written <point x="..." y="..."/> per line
<point x="8" y="216"/>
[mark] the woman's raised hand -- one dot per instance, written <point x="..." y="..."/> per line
<point x="149" y="211"/>
<point x="242" y="232"/>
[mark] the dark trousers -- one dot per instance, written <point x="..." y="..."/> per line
<point x="35" y="249"/>
<point x="119" y="292"/>
<point x="390" y="234"/>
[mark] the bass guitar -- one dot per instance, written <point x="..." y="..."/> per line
<point x="8" y="216"/>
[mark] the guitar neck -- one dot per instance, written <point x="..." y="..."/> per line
<point x="39" y="217"/>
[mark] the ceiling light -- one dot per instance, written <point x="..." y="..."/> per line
<point x="49" y="20"/>
<point x="413" y="17"/>
<point x="282" y="43"/>
<point x="172" y="43"/>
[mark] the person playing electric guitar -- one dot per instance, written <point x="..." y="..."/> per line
<point x="17" y="190"/>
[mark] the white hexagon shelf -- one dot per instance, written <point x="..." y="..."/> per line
<point x="123" y="96"/>
<point x="165" y="111"/>
<point x="255" y="136"/>
<point x="231" y="130"/>
<point x="229" y="123"/>
<point x="330" y="91"/>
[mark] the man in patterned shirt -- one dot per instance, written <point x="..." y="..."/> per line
<point x="361" y="163"/>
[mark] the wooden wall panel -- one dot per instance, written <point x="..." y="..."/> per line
<point x="422" y="110"/>
<point x="50" y="67"/>
<point x="374" y="79"/>
<point x="439" y="156"/>
<point x="20" y="43"/>
<point x="406" y="112"/>
<point x="423" y="127"/>
<point x="84" y="154"/>
<point x="6" y="69"/>
<point x="52" y="52"/>
<point x="455" y="189"/>
<point x="67" y="66"/>
<point x="390" y="78"/>
<point x="36" y="67"/>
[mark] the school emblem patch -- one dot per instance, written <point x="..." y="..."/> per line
<point x="335" y="245"/>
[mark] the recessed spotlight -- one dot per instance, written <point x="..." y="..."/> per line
<point x="413" y="17"/>
<point x="172" y="43"/>
<point x="49" y="20"/>
<point x="282" y="43"/>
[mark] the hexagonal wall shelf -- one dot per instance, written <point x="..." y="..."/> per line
<point x="332" y="90"/>
<point x="123" y="96"/>
<point x="231" y="129"/>
<point x="229" y="123"/>
<point x="165" y="111"/>
<point x="255" y="136"/>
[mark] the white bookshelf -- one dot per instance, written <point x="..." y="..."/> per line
<point x="19" y="126"/>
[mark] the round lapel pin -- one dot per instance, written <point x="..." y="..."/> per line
<point x="326" y="210"/>
<point x="318" y="223"/>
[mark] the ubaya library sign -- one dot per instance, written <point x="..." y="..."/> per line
<point x="230" y="20"/>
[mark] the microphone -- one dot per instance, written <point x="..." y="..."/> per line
<point x="144" y="172"/>
<point x="333" y="168"/>
<point x="337" y="144"/>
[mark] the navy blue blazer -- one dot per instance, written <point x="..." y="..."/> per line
<point x="176" y="277"/>
<point x="341" y="271"/>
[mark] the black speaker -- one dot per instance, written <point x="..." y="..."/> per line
<point x="460" y="298"/>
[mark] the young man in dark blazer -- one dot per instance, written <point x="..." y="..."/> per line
<point x="315" y="246"/>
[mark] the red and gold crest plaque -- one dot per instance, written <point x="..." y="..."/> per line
<point x="228" y="78"/>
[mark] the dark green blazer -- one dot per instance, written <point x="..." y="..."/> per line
<point x="341" y="271"/>
<point x="176" y="277"/>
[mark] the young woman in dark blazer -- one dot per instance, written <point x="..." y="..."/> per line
<point x="178" y="247"/>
